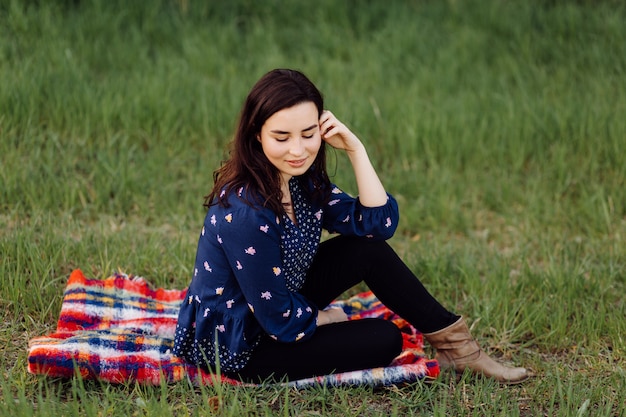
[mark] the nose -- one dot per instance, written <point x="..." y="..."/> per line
<point x="297" y="147"/>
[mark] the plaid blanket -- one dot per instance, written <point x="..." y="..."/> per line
<point x="121" y="329"/>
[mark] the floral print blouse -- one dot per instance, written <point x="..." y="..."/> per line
<point x="249" y="267"/>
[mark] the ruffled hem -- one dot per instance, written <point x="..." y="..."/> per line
<point x="196" y="343"/>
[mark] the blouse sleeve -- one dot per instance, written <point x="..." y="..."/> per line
<point x="346" y="215"/>
<point x="251" y="241"/>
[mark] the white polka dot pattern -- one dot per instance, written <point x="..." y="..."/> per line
<point x="249" y="267"/>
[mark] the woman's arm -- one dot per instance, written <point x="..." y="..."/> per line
<point x="371" y="191"/>
<point x="250" y="240"/>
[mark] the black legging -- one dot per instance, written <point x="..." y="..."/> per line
<point x="340" y="264"/>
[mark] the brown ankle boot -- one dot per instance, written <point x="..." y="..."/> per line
<point x="457" y="349"/>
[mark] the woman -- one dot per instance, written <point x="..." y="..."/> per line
<point x="256" y="306"/>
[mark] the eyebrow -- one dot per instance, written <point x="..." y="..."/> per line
<point x="282" y="132"/>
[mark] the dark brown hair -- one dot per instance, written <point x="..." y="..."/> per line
<point x="247" y="165"/>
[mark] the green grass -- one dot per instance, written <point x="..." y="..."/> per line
<point x="498" y="126"/>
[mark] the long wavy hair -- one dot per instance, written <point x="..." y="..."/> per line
<point x="247" y="166"/>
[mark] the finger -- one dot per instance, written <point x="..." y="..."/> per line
<point x="332" y="131"/>
<point x="326" y="120"/>
<point x="325" y="127"/>
<point x="326" y="116"/>
<point x="329" y="123"/>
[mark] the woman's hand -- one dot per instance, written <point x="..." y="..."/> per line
<point x="331" y="315"/>
<point x="337" y="135"/>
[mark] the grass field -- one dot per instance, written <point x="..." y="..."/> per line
<point x="499" y="126"/>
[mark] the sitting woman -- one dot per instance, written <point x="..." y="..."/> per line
<point x="256" y="307"/>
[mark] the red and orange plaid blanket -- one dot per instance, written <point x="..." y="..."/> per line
<point x="121" y="329"/>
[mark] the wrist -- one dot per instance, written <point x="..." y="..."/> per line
<point x="322" y="318"/>
<point x="357" y="151"/>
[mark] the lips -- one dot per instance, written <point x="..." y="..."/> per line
<point x="297" y="163"/>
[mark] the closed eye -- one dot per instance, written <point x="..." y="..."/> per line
<point x="310" y="130"/>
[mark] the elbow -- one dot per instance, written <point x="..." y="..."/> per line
<point x="383" y="235"/>
<point x="390" y="225"/>
<point x="388" y="234"/>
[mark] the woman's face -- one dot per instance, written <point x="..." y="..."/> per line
<point x="291" y="138"/>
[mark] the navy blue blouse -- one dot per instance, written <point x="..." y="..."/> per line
<point x="250" y="265"/>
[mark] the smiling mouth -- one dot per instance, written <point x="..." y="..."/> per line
<point x="297" y="163"/>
